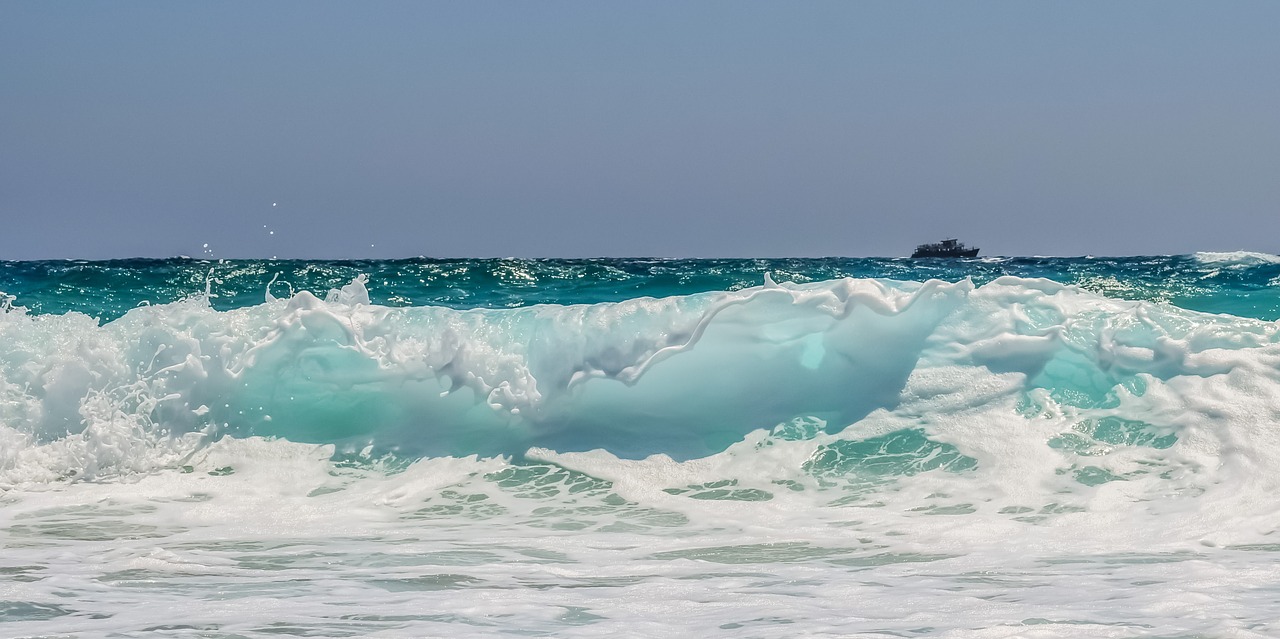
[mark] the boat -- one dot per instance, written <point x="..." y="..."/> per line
<point x="945" y="248"/>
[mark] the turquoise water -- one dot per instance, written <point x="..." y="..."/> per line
<point x="999" y="447"/>
<point x="1237" y="283"/>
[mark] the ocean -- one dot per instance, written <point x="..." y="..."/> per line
<point x="992" y="447"/>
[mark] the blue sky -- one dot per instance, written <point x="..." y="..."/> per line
<point x="387" y="129"/>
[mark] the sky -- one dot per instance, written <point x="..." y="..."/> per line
<point x="683" y="129"/>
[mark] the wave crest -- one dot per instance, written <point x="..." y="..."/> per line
<point x="1236" y="259"/>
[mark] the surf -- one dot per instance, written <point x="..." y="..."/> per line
<point x="1032" y="454"/>
<point x="1014" y="379"/>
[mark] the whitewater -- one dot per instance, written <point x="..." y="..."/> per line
<point x="996" y="447"/>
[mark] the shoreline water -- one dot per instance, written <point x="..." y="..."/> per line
<point x="471" y="448"/>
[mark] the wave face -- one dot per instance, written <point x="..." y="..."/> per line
<point x="813" y="437"/>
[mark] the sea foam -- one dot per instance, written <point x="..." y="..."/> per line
<point x="1016" y="458"/>
<point x="683" y="376"/>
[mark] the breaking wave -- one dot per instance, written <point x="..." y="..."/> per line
<point x="1024" y="456"/>
<point x="1236" y="259"/>
<point x="1021" y="384"/>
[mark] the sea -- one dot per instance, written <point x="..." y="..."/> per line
<point x="988" y="448"/>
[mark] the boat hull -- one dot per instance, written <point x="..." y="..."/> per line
<point x="962" y="253"/>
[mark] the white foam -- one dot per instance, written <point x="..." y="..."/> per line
<point x="1121" y="470"/>
<point x="1122" y="467"/>
<point x="1236" y="259"/>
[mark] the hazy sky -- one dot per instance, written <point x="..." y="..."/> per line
<point x="636" y="128"/>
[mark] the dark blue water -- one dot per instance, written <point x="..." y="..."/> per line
<point x="1236" y="283"/>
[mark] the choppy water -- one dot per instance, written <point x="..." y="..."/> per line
<point x="1009" y="447"/>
